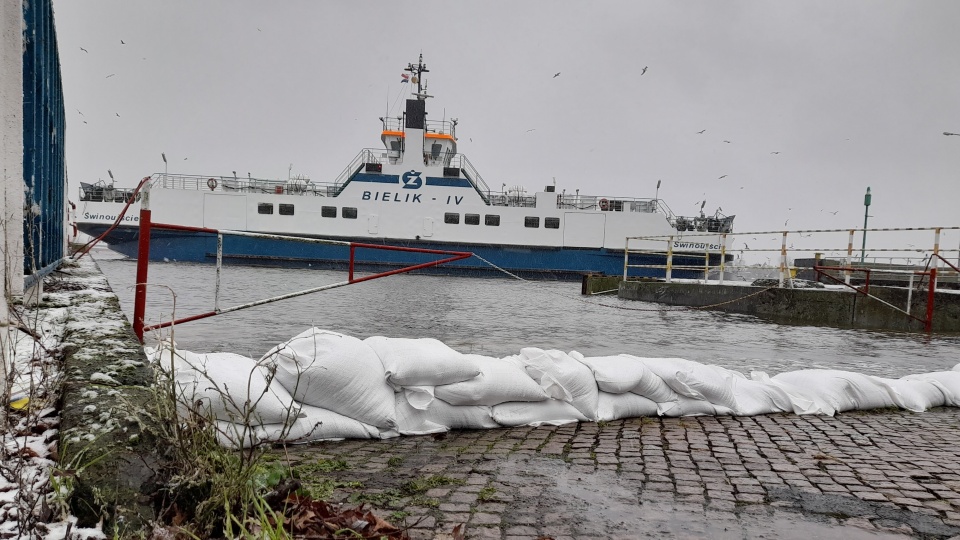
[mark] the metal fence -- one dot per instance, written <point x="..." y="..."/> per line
<point x="44" y="169"/>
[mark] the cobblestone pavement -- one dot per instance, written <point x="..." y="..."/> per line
<point x="878" y="474"/>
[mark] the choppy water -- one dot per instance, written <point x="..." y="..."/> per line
<point x="497" y="317"/>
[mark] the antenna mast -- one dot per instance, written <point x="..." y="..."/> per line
<point x="417" y="71"/>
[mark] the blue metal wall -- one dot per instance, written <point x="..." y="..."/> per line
<point x="44" y="169"/>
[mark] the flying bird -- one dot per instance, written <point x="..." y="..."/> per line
<point x="122" y="43"/>
<point x="529" y="130"/>
<point x="84" y="50"/>
<point x="722" y="177"/>
<point x="785" y="222"/>
<point x="728" y="142"/>
<point x="557" y="74"/>
<point x="81" y="114"/>
<point x="834" y="212"/>
<point x="746" y="246"/>
<point x="774" y="152"/>
<point x="110" y="75"/>
<point x="118" y="115"/>
<point x="701" y="132"/>
<point x="644" y="70"/>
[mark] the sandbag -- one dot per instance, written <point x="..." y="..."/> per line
<point x="842" y="390"/>
<point x="695" y="380"/>
<point x="915" y="395"/>
<point x="686" y="406"/>
<point x="624" y="405"/>
<point x="413" y="421"/>
<point x="753" y="397"/>
<point x="553" y="412"/>
<point x="563" y="378"/>
<point x="948" y="382"/>
<point x="499" y="381"/>
<point x="421" y="362"/>
<point x="803" y="400"/>
<point x="335" y="372"/>
<point x="460" y="417"/>
<point x="315" y="424"/>
<point x="626" y="373"/>
<point x="229" y="387"/>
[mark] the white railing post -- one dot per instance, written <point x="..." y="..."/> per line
<point x="723" y="255"/>
<point x="216" y="292"/>
<point x="626" y="257"/>
<point x="846" y="273"/>
<point x="669" y="258"/>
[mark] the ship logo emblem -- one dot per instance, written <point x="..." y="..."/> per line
<point x="411" y="180"/>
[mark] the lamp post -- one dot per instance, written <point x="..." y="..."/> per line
<point x="164" y="156"/>
<point x="866" y="210"/>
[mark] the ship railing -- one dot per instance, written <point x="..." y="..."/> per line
<point x="470" y="172"/>
<point x="367" y="155"/>
<point x="506" y="198"/>
<point x="103" y="192"/>
<point x="298" y="185"/>
<point x="606" y="203"/>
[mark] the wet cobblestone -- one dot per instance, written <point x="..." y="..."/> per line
<point x="876" y="474"/>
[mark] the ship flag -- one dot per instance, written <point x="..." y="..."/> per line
<point x="404" y="78"/>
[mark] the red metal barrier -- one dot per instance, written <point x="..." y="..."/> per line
<point x="143" y="255"/>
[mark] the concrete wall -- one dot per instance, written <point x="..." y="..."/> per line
<point x="11" y="145"/>
<point x="822" y="307"/>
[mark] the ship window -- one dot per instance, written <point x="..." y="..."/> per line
<point x="265" y="208"/>
<point x="471" y="219"/>
<point x="286" y="209"/>
<point x="531" y="221"/>
<point x="451" y="217"/>
<point x="348" y="212"/>
<point x="491" y="219"/>
<point x="328" y="211"/>
<point x="551" y="223"/>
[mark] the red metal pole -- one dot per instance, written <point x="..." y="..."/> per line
<point x="928" y="323"/>
<point x="143" y="258"/>
<point x="353" y="250"/>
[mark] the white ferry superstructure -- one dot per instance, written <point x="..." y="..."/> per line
<point x="417" y="191"/>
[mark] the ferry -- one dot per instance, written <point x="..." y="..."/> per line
<point x="416" y="191"/>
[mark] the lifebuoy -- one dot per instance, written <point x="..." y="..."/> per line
<point x="604" y="204"/>
<point x="212" y="184"/>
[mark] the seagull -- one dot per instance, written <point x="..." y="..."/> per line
<point x="84" y="50"/>
<point x="84" y="121"/>
<point x="746" y="246"/>
<point x="834" y="212"/>
<point x="774" y="152"/>
<point x="184" y="159"/>
<point x="722" y="177"/>
<point x="118" y="115"/>
<point x="644" y="70"/>
<point x="728" y="142"/>
<point x="557" y="74"/>
<point x="81" y="114"/>
<point x="110" y="75"/>
<point x="529" y="130"/>
<point x="122" y="43"/>
<point x="785" y="222"/>
<point x="701" y="132"/>
<point x="471" y="139"/>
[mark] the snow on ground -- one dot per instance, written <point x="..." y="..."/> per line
<point x="32" y="486"/>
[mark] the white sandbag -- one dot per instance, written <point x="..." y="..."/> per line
<point x="419" y="397"/>
<point x="563" y="378"/>
<point x="553" y="412"/>
<point x="315" y="424"/>
<point x="335" y="372"/>
<point x="948" y="382"/>
<point x="685" y="406"/>
<point x="842" y="390"/>
<point x="758" y="397"/>
<point x="915" y="395"/>
<point x="412" y="421"/>
<point x="626" y="373"/>
<point x="230" y="387"/>
<point x="460" y="417"/>
<point x="695" y="380"/>
<point x="803" y="400"/>
<point x="499" y="381"/>
<point x="421" y="362"/>
<point x="625" y="405"/>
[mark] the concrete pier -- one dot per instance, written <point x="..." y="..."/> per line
<point x="843" y="308"/>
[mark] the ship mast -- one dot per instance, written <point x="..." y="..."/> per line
<point x="417" y="71"/>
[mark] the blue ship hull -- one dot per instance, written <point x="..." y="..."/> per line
<point x="527" y="261"/>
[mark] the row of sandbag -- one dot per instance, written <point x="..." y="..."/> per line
<point x="326" y="385"/>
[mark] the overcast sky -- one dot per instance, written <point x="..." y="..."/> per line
<point x="804" y="104"/>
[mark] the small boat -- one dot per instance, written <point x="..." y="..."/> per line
<point x="416" y="191"/>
